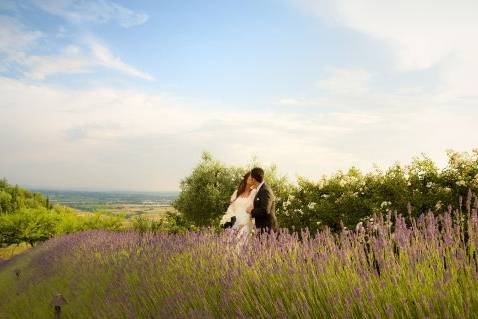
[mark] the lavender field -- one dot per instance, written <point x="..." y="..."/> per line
<point x="393" y="267"/>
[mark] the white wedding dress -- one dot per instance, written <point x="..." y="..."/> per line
<point x="238" y="208"/>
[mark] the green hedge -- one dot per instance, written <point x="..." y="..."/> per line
<point x="340" y="199"/>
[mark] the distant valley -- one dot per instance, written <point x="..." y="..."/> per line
<point x="148" y="204"/>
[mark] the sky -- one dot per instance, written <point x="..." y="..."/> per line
<point x="126" y="95"/>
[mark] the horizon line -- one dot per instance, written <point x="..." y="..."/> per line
<point x="88" y="189"/>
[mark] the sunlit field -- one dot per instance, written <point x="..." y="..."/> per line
<point x="394" y="267"/>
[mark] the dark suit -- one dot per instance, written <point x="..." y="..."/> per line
<point x="264" y="209"/>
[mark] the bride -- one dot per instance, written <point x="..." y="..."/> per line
<point x="236" y="213"/>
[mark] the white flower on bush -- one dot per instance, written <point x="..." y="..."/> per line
<point x="359" y="227"/>
<point x="447" y="189"/>
<point x="461" y="183"/>
<point x="285" y="204"/>
<point x="421" y="174"/>
<point x="350" y="179"/>
<point x="409" y="184"/>
<point x="325" y="195"/>
<point x="385" y="204"/>
<point x="429" y="184"/>
<point x="438" y="205"/>
<point x="311" y="205"/>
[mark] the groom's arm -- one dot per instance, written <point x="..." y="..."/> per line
<point x="264" y="205"/>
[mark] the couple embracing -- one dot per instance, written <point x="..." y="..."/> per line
<point x="253" y="199"/>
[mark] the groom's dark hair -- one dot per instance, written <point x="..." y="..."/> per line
<point x="258" y="174"/>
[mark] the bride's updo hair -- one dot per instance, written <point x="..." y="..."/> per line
<point x="242" y="186"/>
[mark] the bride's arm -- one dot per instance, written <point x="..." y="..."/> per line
<point x="230" y="212"/>
<point x="233" y="197"/>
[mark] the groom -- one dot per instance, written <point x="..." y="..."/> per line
<point x="263" y="208"/>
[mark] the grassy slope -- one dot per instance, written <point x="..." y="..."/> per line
<point x="198" y="275"/>
<point x="42" y="275"/>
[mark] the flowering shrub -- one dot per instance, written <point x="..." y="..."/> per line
<point x="391" y="267"/>
<point x="342" y="199"/>
<point x="348" y="198"/>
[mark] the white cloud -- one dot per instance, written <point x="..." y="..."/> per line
<point x="293" y="102"/>
<point x="342" y="81"/>
<point x="105" y="58"/>
<point x="95" y="11"/>
<point x="128" y="139"/>
<point x="15" y="37"/>
<point x="70" y="61"/>
<point x="75" y="60"/>
<point x="422" y="34"/>
<point x="17" y="43"/>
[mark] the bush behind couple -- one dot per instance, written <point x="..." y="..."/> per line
<point x="253" y="199"/>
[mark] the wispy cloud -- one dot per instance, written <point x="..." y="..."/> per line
<point x="17" y="43"/>
<point x="422" y="34"/>
<point x="92" y="11"/>
<point x="70" y="61"/>
<point x="15" y="37"/>
<point x="104" y="57"/>
<point x="105" y="133"/>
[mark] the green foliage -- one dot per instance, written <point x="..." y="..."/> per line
<point x="141" y="224"/>
<point x="30" y="217"/>
<point x="27" y="225"/>
<point x="348" y="198"/>
<point x="206" y="192"/>
<point x="172" y="222"/>
<point x="13" y="198"/>
<point x="176" y="223"/>
<point x="100" y="221"/>
<point x="69" y="221"/>
<point x="341" y="199"/>
<point x="32" y="225"/>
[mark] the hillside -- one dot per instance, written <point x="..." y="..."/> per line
<point x="426" y="270"/>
